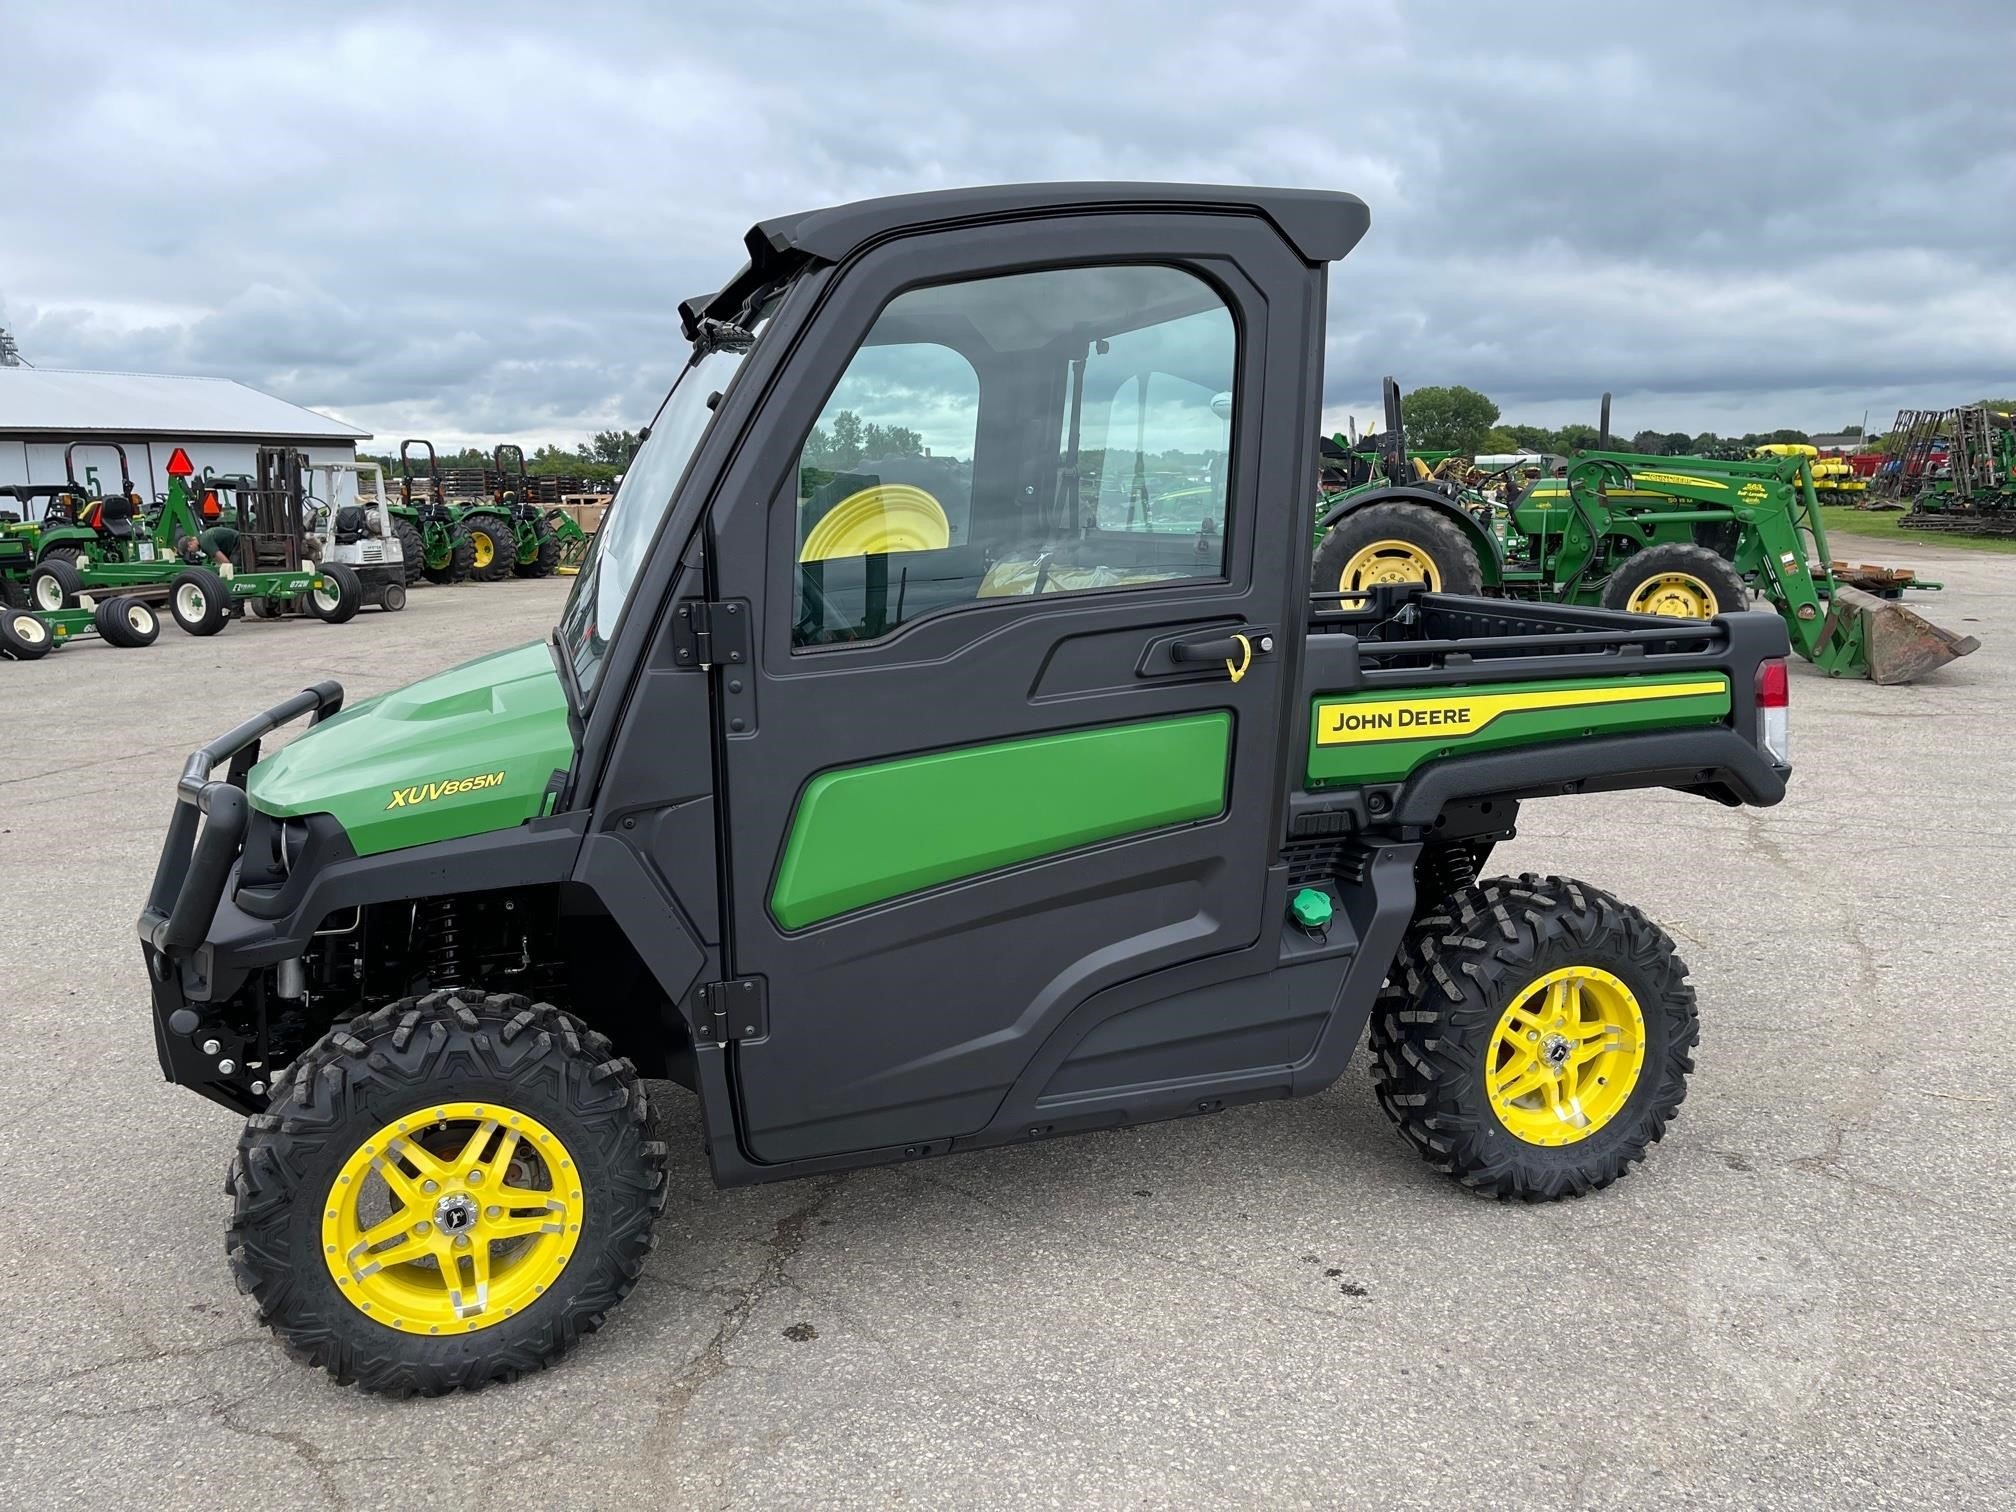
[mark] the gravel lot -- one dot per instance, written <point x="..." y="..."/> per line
<point x="1804" y="1299"/>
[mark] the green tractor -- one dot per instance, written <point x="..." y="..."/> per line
<point x="29" y="635"/>
<point x="573" y="541"/>
<point x="107" y="547"/>
<point x="437" y="545"/>
<point x="21" y="532"/>
<point x="1684" y="537"/>
<point x="533" y="548"/>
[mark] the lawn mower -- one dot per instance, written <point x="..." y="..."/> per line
<point x="1051" y="823"/>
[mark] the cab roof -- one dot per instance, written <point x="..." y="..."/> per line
<point x="1322" y="225"/>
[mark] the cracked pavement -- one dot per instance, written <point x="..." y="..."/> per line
<point x="1804" y="1298"/>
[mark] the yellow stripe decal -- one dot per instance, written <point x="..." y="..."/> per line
<point x="1456" y="717"/>
<point x="1687" y="478"/>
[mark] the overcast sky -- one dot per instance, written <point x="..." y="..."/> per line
<point x="475" y="222"/>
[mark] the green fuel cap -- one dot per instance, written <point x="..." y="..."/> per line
<point x="1312" y="909"/>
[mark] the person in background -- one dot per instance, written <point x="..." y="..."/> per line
<point x="219" y="544"/>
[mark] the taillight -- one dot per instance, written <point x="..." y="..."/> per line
<point x="1774" y="711"/>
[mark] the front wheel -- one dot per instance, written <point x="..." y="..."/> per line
<point x="55" y="584"/>
<point x="1677" y="581"/>
<point x="340" y="596"/>
<point x="1535" y="1037"/>
<point x="447" y="1192"/>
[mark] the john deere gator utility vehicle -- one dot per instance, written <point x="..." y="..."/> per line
<point x="109" y="548"/>
<point x="1678" y="536"/>
<point x="1059" y="824"/>
<point x="532" y="550"/>
<point x="436" y="545"/>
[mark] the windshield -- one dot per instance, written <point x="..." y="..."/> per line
<point x="595" y="607"/>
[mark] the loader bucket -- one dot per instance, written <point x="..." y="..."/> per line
<point x="1883" y="640"/>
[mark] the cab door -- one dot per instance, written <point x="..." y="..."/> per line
<point x="1020" y="564"/>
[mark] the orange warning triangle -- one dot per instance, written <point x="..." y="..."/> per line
<point x="179" y="465"/>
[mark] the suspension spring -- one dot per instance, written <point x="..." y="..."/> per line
<point x="441" y="933"/>
<point x="1449" y="868"/>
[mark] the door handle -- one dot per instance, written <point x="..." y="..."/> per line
<point x="1235" y="651"/>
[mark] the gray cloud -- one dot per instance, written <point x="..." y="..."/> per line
<point x="477" y="222"/>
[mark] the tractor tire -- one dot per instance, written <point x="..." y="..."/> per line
<point x="1396" y="542"/>
<point x="1535" y="1037"/>
<point x="1682" y="582"/>
<point x="13" y="595"/>
<point x="546" y="555"/>
<point x="54" y="584"/>
<point x="379" y="1302"/>
<point x="128" y="623"/>
<point x="23" y="637"/>
<point x="461" y="560"/>
<point x="338" y="603"/>
<point x="493" y="547"/>
<point x="412" y="552"/>
<point x="199" y="601"/>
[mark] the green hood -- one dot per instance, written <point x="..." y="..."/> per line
<point x="464" y="751"/>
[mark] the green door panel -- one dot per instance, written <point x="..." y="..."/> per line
<point x="456" y="754"/>
<point x="865" y="834"/>
<point x="1382" y="736"/>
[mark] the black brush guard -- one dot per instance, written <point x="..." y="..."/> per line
<point x="208" y="826"/>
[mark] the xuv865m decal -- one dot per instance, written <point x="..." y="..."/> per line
<point x="1381" y="737"/>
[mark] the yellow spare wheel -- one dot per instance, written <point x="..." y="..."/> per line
<point x="879" y="520"/>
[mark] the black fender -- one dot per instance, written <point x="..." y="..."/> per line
<point x="1481" y="540"/>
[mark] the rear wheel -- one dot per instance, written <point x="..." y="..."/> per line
<point x="1535" y="1037"/>
<point x="392" y="597"/>
<point x="127" y="623"/>
<point x="340" y="596"/>
<point x="492" y="546"/>
<point x="1678" y="581"/>
<point x="1396" y="542"/>
<point x="54" y="584"/>
<point x="447" y="1192"/>
<point x="412" y="552"/>
<point x="24" y="637"/>
<point x="199" y="601"/>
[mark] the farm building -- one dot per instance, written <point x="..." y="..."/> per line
<point x="45" y="412"/>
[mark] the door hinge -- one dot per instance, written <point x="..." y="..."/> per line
<point x="732" y="1010"/>
<point x="710" y="633"/>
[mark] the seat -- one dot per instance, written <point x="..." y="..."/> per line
<point x="113" y="516"/>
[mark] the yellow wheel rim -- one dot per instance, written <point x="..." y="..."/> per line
<point x="452" y="1218"/>
<point x="1389" y="562"/>
<point x="1677" y="595"/>
<point x="486" y="549"/>
<point x="1565" y="1056"/>
<point x="885" y="518"/>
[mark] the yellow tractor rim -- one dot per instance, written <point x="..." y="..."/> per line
<point x="1565" y="1056"/>
<point x="1677" y="595"/>
<point x="1389" y="562"/>
<point x="486" y="549"/>
<point x="452" y="1218"/>
<point x="876" y="521"/>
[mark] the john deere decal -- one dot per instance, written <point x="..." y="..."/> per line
<point x="1466" y="714"/>
<point x="409" y="797"/>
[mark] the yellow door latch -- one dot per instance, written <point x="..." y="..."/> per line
<point x="1245" y="658"/>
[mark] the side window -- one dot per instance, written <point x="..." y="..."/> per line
<point x="1065" y="431"/>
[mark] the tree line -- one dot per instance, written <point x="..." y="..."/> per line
<point x="1459" y="419"/>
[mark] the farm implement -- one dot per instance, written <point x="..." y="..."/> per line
<point x="1686" y="537"/>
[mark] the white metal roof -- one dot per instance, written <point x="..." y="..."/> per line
<point x="65" y="400"/>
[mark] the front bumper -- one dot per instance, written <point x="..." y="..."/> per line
<point x="206" y="835"/>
